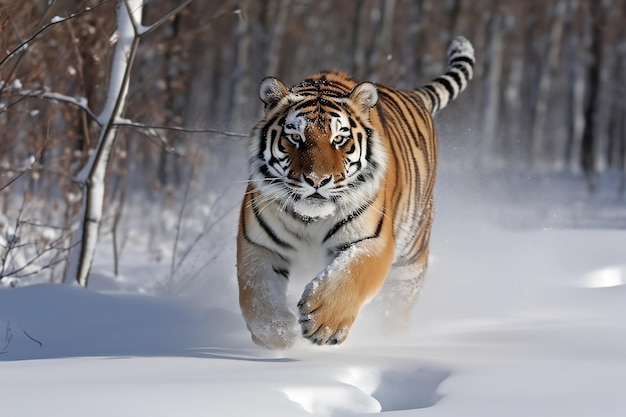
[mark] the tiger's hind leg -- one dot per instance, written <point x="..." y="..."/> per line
<point x="404" y="282"/>
<point x="398" y="295"/>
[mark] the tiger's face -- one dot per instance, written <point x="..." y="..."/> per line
<point x="316" y="152"/>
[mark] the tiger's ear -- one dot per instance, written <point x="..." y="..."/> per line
<point x="365" y="96"/>
<point x="271" y="91"/>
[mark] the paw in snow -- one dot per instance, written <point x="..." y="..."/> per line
<point x="278" y="333"/>
<point x="327" y="311"/>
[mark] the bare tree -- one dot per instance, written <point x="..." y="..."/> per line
<point x="278" y="18"/>
<point x="491" y="85"/>
<point x="540" y="103"/>
<point x="589" y="138"/>
<point x="381" y="47"/>
<point x="575" y="88"/>
<point x="93" y="175"/>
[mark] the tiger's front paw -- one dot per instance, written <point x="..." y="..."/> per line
<point x="277" y="332"/>
<point x="325" y="314"/>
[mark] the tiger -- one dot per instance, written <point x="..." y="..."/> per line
<point x="341" y="175"/>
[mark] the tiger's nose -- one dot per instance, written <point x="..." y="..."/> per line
<point x="317" y="181"/>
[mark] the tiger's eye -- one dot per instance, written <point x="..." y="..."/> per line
<point x="340" y="140"/>
<point x="294" y="138"/>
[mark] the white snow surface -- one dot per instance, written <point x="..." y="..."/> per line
<point x="510" y="322"/>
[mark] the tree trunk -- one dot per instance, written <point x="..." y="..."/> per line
<point x="276" y="37"/>
<point x="539" y="154"/>
<point x="381" y="47"/>
<point x="589" y="138"/>
<point x="575" y="90"/>
<point x="94" y="173"/>
<point x="491" y="86"/>
<point x="239" y="79"/>
<point x="358" y="44"/>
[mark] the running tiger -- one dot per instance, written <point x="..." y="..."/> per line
<point x="341" y="176"/>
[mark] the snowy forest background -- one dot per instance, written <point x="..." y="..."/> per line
<point x="540" y="133"/>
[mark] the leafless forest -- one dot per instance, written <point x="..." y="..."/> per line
<point x="548" y="95"/>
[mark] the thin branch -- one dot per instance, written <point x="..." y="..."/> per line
<point x="161" y="141"/>
<point x="22" y="272"/>
<point x="12" y="241"/>
<point x="16" y="64"/>
<point x="10" y="105"/>
<point x="8" y="336"/>
<point x="80" y="102"/>
<point x="24" y="44"/>
<point x="142" y="31"/>
<point x="223" y="10"/>
<point x="46" y="226"/>
<point x="28" y="168"/>
<point x="45" y="171"/>
<point x="32" y="338"/>
<point x="206" y="229"/>
<point x="130" y="123"/>
<point x="179" y="223"/>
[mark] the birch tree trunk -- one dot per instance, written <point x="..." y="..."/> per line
<point x="491" y="85"/>
<point x="381" y="47"/>
<point x="540" y="105"/>
<point x="92" y="176"/>
<point x="357" y="43"/>
<point x="617" y="118"/>
<point x="276" y="37"/>
<point x="588" y="154"/>
<point x="409" y="71"/>
<point x="239" y="78"/>
<point x="575" y="89"/>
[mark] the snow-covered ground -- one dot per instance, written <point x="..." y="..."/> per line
<point x="511" y="322"/>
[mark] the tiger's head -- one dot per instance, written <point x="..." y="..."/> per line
<point x="316" y="151"/>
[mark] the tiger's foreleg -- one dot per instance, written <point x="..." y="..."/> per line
<point x="332" y="300"/>
<point x="262" y="281"/>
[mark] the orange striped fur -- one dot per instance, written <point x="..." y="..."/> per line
<point x="341" y="176"/>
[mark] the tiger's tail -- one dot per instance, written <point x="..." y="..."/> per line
<point x="440" y="91"/>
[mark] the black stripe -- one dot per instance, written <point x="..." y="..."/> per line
<point x="434" y="96"/>
<point x="266" y="172"/>
<point x="379" y="227"/>
<point x="309" y="102"/>
<point x="346" y="220"/>
<point x="268" y="230"/>
<point x="244" y="232"/>
<point x="457" y="79"/>
<point x="262" y="138"/>
<point x="359" y="180"/>
<point x="326" y="92"/>
<point x="368" y="149"/>
<point x="263" y="134"/>
<point x="454" y="61"/>
<point x="464" y="70"/>
<point x="418" y="251"/>
<point x="408" y="129"/>
<point x="330" y="104"/>
<point x="281" y="271"/>
<point x="409" y="136"/>
<point x="443" y="81"/>
<point x="358" y="165"/>
<point x="282" y="149"/>
<point x="424" y="115"/>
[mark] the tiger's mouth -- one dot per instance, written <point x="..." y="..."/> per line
<point x="316" y="196"/>
<point x="315" y="206"/>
